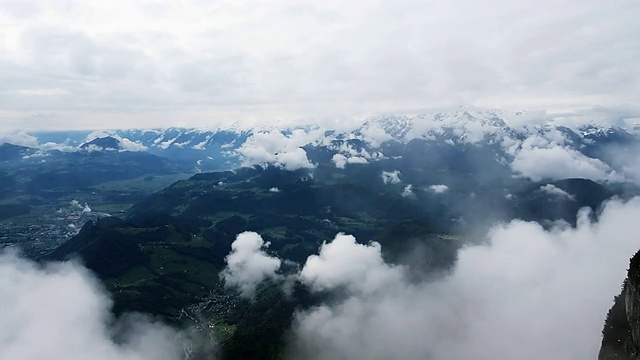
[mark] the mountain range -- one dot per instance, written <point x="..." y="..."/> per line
<point x="509" y="135"/>
<point x="422" y="188"/>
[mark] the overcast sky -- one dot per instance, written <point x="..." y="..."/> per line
<point x="111" y="64"/>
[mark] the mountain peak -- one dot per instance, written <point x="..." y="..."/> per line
<point x="397" y="126"/>
<point x="102" y="143"/>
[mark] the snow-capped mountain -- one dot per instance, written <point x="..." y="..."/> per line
<point x="533" y="144"/>
<point x="396" y="126"/>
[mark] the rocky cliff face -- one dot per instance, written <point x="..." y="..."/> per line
<point x="621" y="333"/>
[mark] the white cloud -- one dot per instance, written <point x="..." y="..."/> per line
<point x="408" y="191"/>
<point x="527" y="294"/>
<point x="274" y="147"/>
<point x="293" y="160"/>
<point x="36" y="154"/>
<point x="340" y="161"/>
<point x="345" y="263"/>
<point x="42" y="92"/>
<point x="391" y="177"/>
<point x="60" y="147"/>
<point x="624" y="158"/>
<point x="248" y="264"/>
<point x="180" y="145"/>
<point x="200" y="145"/>
<point x="538" y="158"/>
<point x="93" y="147"/>
<point x="19" y="138"/>
<point x="58" y="311"/>
<point x="128" y="145"/>
<point x="165" y="144"/>
<point x="357" y="160"/>
<point x="199" y="63"/>
<point x="274" y="190"/>
<point x="556" y="191"/>
<point x="375" y="136"/>
<point x="96" y="135"/>
<point x="349" y="155"/>
<point x="439" y="189"/>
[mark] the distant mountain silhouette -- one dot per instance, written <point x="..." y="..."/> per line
<point x="10" y="152"/>
<point x="103" y="143"/>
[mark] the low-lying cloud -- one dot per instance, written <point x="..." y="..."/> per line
<point x="274" y="147"/>
<point x="391" y="177"/>
<point x="248" y="264"/>
<point x="439" y="188"/>
<point x="408" y="191"/>
<point x="58" y="311"/>
<point x="556" y="191"/>
<point x="125" y="143"/>
<point x="345" y="263"/>
<point x="538" y="158"/>
<point x="528" y="293"/>
<point x="19" y="138"/>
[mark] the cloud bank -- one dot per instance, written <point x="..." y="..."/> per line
<point x="59" y="312"/>
<point x="526" y="294"/>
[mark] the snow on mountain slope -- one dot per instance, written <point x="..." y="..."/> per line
<point x="535" y="144"/>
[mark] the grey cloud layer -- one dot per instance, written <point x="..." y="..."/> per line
<point x="194" y="63"/>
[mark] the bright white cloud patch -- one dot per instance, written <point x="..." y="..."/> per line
<point x="19" y="138"/>
<point x="274" y="147"/>
<point x="96" y="134"/>
<point x="375" y="136"/>
<point x="344" y="262"/>
<point x="340" y="160"/>
<point x="128" y="145"/>
<point x="408" y="191"/>
<point x="248" y="264"/>
<point x="391" y="177"/>
<point x="538" y="158"/>
<point x="357" y="160"/>
<point x="556" y="191"/>
<point x="439" y="188"/>
<point x="60" y="312"/>
<point x="528" y="294"/>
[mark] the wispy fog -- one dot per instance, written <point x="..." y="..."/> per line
<point x="59" y="312"/>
